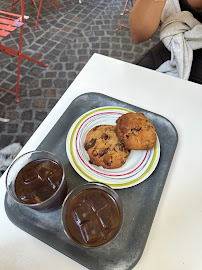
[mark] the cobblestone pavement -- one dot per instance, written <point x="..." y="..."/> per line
<point x="65" y="39"/>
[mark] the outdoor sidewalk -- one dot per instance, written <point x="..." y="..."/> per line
<point x="65" y="39"/>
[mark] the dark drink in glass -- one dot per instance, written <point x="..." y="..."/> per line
<point x="36" y="180"/>
<point x="92" y="216"/>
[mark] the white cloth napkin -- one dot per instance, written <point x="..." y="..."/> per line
<point x="181" y="33"/>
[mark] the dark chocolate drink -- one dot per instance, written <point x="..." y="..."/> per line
<point x="93" y="217"/>
<point x="38" y="180"/>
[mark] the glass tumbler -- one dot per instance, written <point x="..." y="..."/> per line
<point x="92" y="215"/>
<point x="37" y="180"/>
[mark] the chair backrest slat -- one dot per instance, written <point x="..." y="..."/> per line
<point x="7" y="27"/>
<point x="10" y="14"/>
<point x="4" y="33"/>
<point x="6" y="21"/>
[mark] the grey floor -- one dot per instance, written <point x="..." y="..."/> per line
<point x="65" y="39"/>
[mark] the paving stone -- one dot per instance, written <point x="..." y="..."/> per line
<point x="62" y="74"/>
<point x="25" y="103"/>
<point x="51" y="43"/>
<point x="46" y="83"/>
<point x="27" y="115"/>
<point x="12" y="128"/>
<point x="35" y="71"/>
<point x="23" y="70"/>
<point x="63" y="59"/>
<point x="80" y="66"/>
<point x="12" y="66"/>
<point x="105" y="45"/>
<point x="116" y="54"/>
<point x="40" y="115"/>
<point x="72" y="75"/>
<point x="55" y="52"/>
<point x="41" y="41"/>
<point x="4" y="62"/>
<point x="69" y="66"/>
<point x="49" y="57"/>
<point x="105" y="39"/>
<point x="57" y="38"/>
<point x="1" y="110"/>
<point x="128" y="56"/>
<point x="83" y="58"/>
<point x="116" y="46"/>
<point x="104" y="52"/>
<point x="7" y="99"/>
<point x="34" y="83"/>
<point x="6" y="140"/>
<point x="44" y="49"/>
<point x="51" y="74"/>
<point x="4" y="74"/>
<point x="138" y="50"/>
<point x="35" y="92"/>
<point x="28" y="127"/>
<point x="12" y="115"/>
<point x="60" y="83"/>
<point x="2" y="127"/>
<point x="22" y="139"/>
<point x="50" y="93"/>
<point x="52" y="103"/>
<point x="86" y="45"/>
<point x="126" y="47"/>
<point x="96" y="45"/>
<point x="39" y="103"/>
<point x="12" y="79"/>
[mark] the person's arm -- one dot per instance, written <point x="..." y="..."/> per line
<point x="144" y="19"/>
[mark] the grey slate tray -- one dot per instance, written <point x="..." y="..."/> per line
<point x="139" y="202"/>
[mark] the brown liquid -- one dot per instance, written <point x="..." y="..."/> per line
<point x="38" y="180"/>
<point x="93" y="217"/>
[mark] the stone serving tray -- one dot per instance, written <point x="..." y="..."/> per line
<point x="139" y="202"/>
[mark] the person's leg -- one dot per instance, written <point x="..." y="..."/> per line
<point x="154" y="57"/>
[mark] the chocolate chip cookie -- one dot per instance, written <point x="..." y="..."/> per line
<point x="104" y="147"/>
<point x="136" y="131"/>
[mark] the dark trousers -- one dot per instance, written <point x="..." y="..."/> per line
<point x="159" y="54"/>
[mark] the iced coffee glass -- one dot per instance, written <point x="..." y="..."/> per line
<point x="92" y="215"/>
<point x="37" y="180"/>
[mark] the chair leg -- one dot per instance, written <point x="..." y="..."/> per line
<point x="33" y="1"/>
<point x="12" y="52"/>
<point x="18" y="80"/>
<point x="12" y="4"/>
<point x="124" y="11"/>
<point x="56" y="5"/>
<point x="33" y="60"/>
<point x="39" y="11"/>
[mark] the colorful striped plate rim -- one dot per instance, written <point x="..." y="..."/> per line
<point x="137" y="168"/>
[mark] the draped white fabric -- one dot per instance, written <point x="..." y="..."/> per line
<point x="181" y="33"/>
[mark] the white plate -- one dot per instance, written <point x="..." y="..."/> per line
<point x="138" y="167"/>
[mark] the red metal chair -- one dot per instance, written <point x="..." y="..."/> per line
<point x="38" y="8"/>
<point x="125" y="10"/>
<point x="8" y="23"/>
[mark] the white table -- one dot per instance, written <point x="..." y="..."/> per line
<point x="175" y="240"/>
